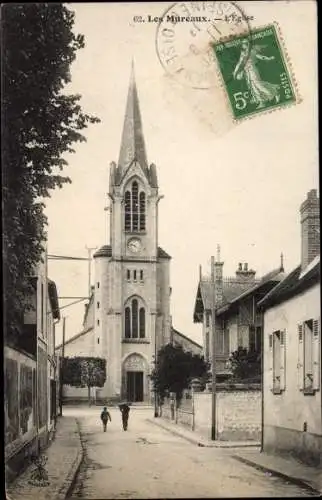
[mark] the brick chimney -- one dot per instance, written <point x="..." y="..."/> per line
<point x="217" y="277"/>
<point x="245" y="274"/>
<point x="310" y="228"/>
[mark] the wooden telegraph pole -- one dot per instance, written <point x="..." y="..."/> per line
<point x="61" y="370"/>
<point x="213" y="351"/>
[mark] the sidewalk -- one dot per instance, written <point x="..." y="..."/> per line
<point x="249" y="453"/>
<point x="286" y="468"/>
<point x="198" y="439"/>
<point x="64" y="458"/>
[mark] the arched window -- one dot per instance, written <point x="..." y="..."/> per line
<point x="134" y="210"/>
<point x="127" y="211"/>
<point x="142" y="322"/>
<point x="127" y="322"/>
<point x="134" y="320"/>
<point x="142" y="211"/>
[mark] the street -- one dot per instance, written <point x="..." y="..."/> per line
<point x="149" y="462"/>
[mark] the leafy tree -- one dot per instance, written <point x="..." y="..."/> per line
<point x="40" y="125"/>
<point x="175" y="368"/>
<point x="84" y="371"/>
<point x="246" y="365"/>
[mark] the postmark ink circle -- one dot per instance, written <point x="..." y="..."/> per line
<point x="186" y="34"/>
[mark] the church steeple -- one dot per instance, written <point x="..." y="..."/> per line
<point x="132" y="144"/>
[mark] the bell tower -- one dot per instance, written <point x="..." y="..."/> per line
<point x="132" y="314"/>
<point x="133" y="190"/>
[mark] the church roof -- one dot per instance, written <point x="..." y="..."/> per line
<point x="106" y="251"/>
<point x="75" y="337"/>
<point x="132" y="143"/>
<point x="181" y="335"/>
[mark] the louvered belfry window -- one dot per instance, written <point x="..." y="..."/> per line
<point x="134" y="211"/>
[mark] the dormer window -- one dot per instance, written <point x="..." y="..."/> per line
<point x="134" y="215"/>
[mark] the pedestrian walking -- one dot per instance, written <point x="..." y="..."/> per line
<point x="105" y="417"/>
<point x="125" y="410"/>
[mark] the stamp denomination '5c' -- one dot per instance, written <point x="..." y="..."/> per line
<point x="254" y="72"/>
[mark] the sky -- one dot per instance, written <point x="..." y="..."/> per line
<point x="236" y="185"/>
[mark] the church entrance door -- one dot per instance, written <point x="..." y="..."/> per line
<point x="134" y="387"/>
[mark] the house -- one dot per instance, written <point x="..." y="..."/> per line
<point x="31" y="375"/>
<point x="187" y="344"/>
<point x="292" y="409"/>
<point x="239" y="321"/>
<point x="81" y="344"/>
<point x="215" y="291"/>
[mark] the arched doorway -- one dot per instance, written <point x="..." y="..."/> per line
<point x="134" y="375"/>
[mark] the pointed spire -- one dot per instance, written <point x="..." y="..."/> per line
<point x="132" y="144"/>
<point x="282" y="263"/>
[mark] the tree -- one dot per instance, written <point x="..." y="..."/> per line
<point x="175" y="368"/>
<point x="84" y="371"/>
<point x="40" y="125"/>
<point x="246" y="365"/>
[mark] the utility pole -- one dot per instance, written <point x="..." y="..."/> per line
<point x="155" y="389"/>
<point x="89" y="250"/>
<point x="61" y="370"/>
<point x="213" y="351"/>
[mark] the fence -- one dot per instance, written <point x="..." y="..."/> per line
<point x="238" y="412"/>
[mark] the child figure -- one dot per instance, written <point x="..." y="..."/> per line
<point x="105" y="417"/>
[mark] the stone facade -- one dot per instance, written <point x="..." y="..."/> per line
<point x="131" y="298"/>
<point x="292" y="416"/>
<point x="292" y="420"/>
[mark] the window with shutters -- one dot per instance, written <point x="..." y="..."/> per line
<point x="309" y="353"/>
<point x="277" y="353"/>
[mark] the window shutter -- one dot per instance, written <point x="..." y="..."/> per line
<point x="283" y="359"/>
<point x="270" y="362"/>
<point x="316" y="354"/>
<point x="300" y="359"/>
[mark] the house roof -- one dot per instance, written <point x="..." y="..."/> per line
<point x="176" y="332"/>
<point x="232" y="287"/>
<point x="293" y="284"/>
<point x="106" y="251"/>
<point x="83" y="332"/>
<point x="272" y="277"/>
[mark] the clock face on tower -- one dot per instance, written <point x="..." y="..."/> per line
<point x="134" y="245"/>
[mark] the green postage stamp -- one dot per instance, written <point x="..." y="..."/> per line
<point x="254" y="72"/>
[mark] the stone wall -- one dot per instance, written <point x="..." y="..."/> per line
<point x="238" y="415"/>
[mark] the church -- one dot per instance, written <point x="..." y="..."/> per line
<point x="131" y="302"/>
<point x="127" y="319"/>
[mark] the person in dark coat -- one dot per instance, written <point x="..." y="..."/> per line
<point x="105" y="417"/>
<point x="125" y="410"/>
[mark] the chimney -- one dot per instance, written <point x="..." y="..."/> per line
<point x="245" y="274"/>
<point x="310" y="228"/>
<point x="218" y="278"/>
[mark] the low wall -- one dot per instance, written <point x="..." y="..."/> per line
<point x="202" y="409"/>
<point x="238" y="415"/>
